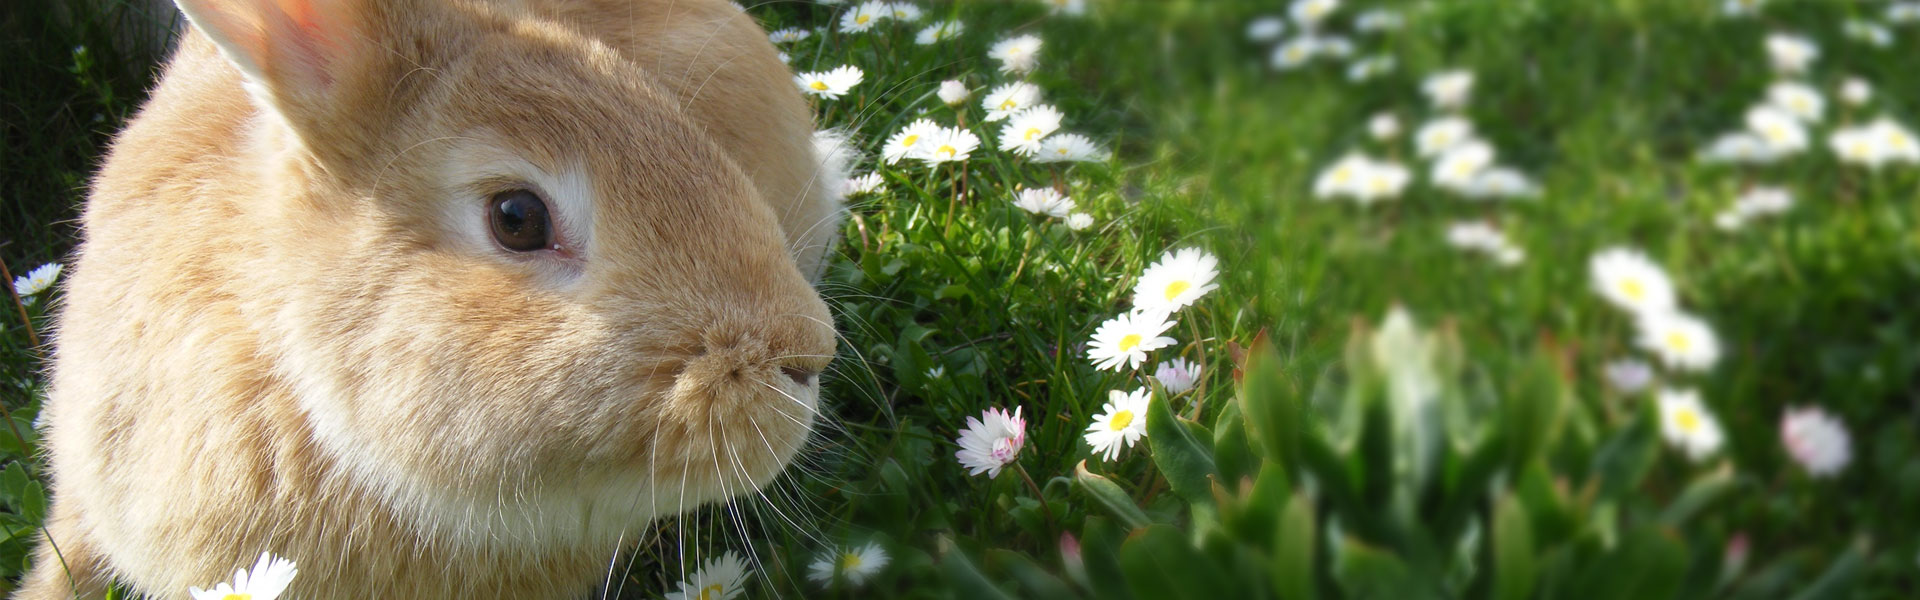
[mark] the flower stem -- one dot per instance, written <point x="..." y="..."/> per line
<point x="1048" y="510"/>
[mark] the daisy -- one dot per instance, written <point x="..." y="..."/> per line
<point x="1072" y="8"/>
<point x="1855" y="91"/>
<point x="1309" y="13"/>
<point x="1475" y="235"/>
<point x="1686" y="424"/>
<point x="903" y="144"/>
<point x="1764" y="200"/>
<point x="1816" y="440"/>
<point x="1629" y="280"/>
<point x="1740" y="147"/>
<point x="1456" y="168"/>
<point x="1381" y="180"/>
<point x="1177" y="375"/>
<point x="790" y="34"/>
<point x="1266" y="29"/>
<point x="1500" y="182"/>
<point x="854" y="565"/>
<point x="952" y="92"/>
<point x="904" y="11"/>
<point x="1017" y="55"/>
<point x="938" y="32"/>
<point x="1779" y="129"/>
<point x="1448" y="90"/>
<point x="1740" y="8"/>
<point x="1023" y="133"/>
<point x="1790" y="53"/>
<point x="1121" y="422"/>
<point x="1628" y="375"/>
<point x="1069" y="147"/>
<point x="1681" y="341"/>
<point x="38" y="280"/>
<point x="1010" y="98"/>
<point x="1798" y="99"/>
<point x="266" y="581"/>
<point x="830" y="84"/>
<point x="1383" y="127"/>
<point x="870" y="183"/>
<point x="721" y="578"/>
<point x="1896" y="142"/>
<point x="1333" y="45"/>
<point x="1903" y="12"/>
<point x="1870" y="32"/>
<point x="1079" y="221"/>
<point x="1370" y="67"/>
<point x="785" y="58"/>
<point x="864" y="17"/>
<point x="986" y="446"/>
<point x="1295" y="52"/>
<point x="1875" y="144"/>
<point x="1176" y="281"/>
<point x="1378" y="20"/>
<point x="1341" y="178"/>
<point x="948" y="144"/>
<point x="1124" y="341"/>
<point x="1440" y="134"/>
<point x="1044" y="201"/>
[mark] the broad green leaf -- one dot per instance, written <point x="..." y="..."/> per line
<point x="1700" y="493"/>
<point x="1513" y="568"/>
<point x="1839" y="579"/>
<point x="1185" y="463"/>
<point x="1271" y="408"/>
<point x="967" y="579"/>
<point x="1624" y="459"/>
<point x="1099" y="554"/>
<point x="1035" y="581"/>
<point x="1161" y="563"/>
<point x="1295" y="542"/>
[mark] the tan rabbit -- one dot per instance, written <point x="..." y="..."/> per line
<point x="437" y="299"/>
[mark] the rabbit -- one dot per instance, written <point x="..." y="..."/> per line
<point x="437" y="299"/>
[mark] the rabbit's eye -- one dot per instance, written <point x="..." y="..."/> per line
<point x="520" y="221"/>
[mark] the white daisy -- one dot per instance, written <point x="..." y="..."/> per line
<point x="1023" y="133"/>
<point x="830" y="84"/>
<point x="1266" y="29"/>
<point x="1177" y="375"/>
<point x="870" y="183"/>
<point x="864" y="17"/>
<point x="722" y="578"/>
<point x="1383" y="126"/>
<point x="1069" y="147"/>
<point x="1125" y="340"/>
<point x="1628" y="376"/>
<point x="785" y="58"/>
<point x="1072" y="8"/>
<point x="1079" y="221"/>
<point x="1791" y="53"/>
<point x="987" y="446"/>
<point x="1870" y="32"/>
<point x="1179" y="279"/>
<point x="948" y="144"/>
<point x="903" y="143"/>
<point x="939" y="32"/>
<point x="1780" y="129"/>
<point x="1441" y="134"/>
<point x="1687" y="424"/>
<point x="1816" y="440"/>
<point x="1855" y="91"/>
<point x="1630" y="281"/>
<point x="1370" y="67"/>
<point x="268" y="578"/>
<point x="1875" y="144"/>
<point x="1121" y="422"/>
<point x="1764" y="200"/>
<point x="854" y="565"/>
<point x="1740" y="147"/>
<point x="1798" y="99"/>
<point x="38" y="280"/>
<point x="790" y="34"/>
<point x="1378" y="20"/>
<point x="1475" y="235"/>
<point x="1334" y="45"/>
<point x="1897" y="143"/>
<point x="1295" y="52"/>
<point x="1309" y="13"/>
<point x="1448" y="90"/>
<point x="904" y="11"/>
<point x="1500" y="182"/>
<point x="1017" y="55"/>
<point x="1044" y="201"/>
<point x="1458" y="166"/>
<point x="1010" y="98"/>
<point x="952" y="92"/>
<point x="1679" y="340"/>
<point x="1903" y="12"/>
<point x="1361" y="178"/>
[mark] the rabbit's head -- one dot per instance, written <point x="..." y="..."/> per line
<point x="520" y="291"/>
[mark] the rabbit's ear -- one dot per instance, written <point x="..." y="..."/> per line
<point x="293" y="53"/>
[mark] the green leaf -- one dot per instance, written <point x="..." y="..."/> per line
<point x="1271" y="408"/>
<point x="1624" y="459"/>
<point x="1160" y="563"/>
<point x="1513" y="568"/>
<point x="1184" y="461"/>
<point x="1699" y="494"/>
<point x="1107" y="495"/>
<point x="1839" y="579"/>
<point x="1365" y="571"/>
<point x="1099" y="555"/>
<point x="1295" y="541"/>
<point x="967" y="580"/>
<point x="1037" y="582"/>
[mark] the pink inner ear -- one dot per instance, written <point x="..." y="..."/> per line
<point x="306" y="43"/>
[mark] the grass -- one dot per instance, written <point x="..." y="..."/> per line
<point x="1604" y="103"/>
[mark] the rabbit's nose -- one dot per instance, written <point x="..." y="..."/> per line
<point x="800" y="375"/>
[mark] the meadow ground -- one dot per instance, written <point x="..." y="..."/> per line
<point x="1628" y="375"/>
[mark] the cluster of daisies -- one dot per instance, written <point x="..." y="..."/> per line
<point x="29" y="286"/>
<point x="1779" y="126"/>
<point x="1046" y="201"/>
<point x="1123" y="343"/>
<point x="1314" y="39"/>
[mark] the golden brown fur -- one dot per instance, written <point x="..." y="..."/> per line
<point x="287" y="330"/>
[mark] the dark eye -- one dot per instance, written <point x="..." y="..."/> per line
<point x="520" y="221"/>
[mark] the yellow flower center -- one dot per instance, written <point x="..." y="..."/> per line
<point x="818" y="85"/>
<point x="947" y="151"/>
<point x="1061" y="151"/>
<point x="862" y="19"/>
<point x="1031" y="132"/>
<point x="1378" y="183"/>
<point x="1127" y="344"/>
<point x="849" y="562"/>
<point x="1687" y="419"/>
<point x="1120" y="420"/>
<point x="237" y="597"/>
<point x="1860" y="148"/>
<point x="1343" y="175"/>
<point x="1296" y="53"/>
<point x="1633" y="290"/>
<point x="909" y="141"/>
<point x="1678" y="341"/>
<point x="1009" y="104"/>
<point x="1175" y="289"/>
<point x="1776" y="133"/>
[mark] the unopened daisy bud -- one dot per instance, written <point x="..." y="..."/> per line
<point x="953" y="92"/>
<point x="1177" y="375"/>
